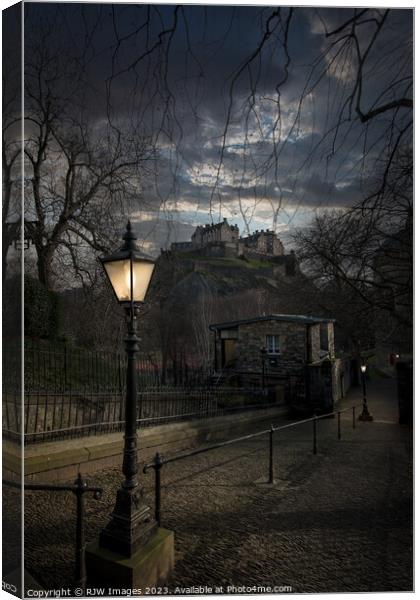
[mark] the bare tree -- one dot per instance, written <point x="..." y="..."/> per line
<point x="364" y="255"/>
<point x="11" y="148"/>
<point x="358" y="109"/>
<point x="203" y="317"/>
<point x="266" y="112"/>
<point x="81" y="169"/>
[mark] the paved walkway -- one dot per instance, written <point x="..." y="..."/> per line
<point x="339" y="521"/>
<point x="381" y="395"/>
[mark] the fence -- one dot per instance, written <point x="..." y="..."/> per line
<point x="53" y="416"/>
<point x="77" y="393"/>
<point x="62" y="367"/>
<point x="79" y="489"/>
<point x="80" y="486"/>
<point x="159" y="461"/>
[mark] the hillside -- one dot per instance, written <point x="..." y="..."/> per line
<point x="182" y="279"/>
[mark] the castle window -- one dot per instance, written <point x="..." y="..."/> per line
<point x="272" y="343"/>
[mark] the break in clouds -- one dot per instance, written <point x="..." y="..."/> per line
<point x="249" y="113"/>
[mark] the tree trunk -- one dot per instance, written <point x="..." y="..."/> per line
<point x="45" y="256"/>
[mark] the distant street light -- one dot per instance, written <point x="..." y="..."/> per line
<point x="364" y="416"/>
<point x="131" y="525"/>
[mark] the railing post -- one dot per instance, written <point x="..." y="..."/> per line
<point x="157" y="467"/>
<point x="315" y="425"/>
<point x="271" y="456"/>
<point x="80" y="569"/>
<point x="65" y="366"/>
<point x="354" y="417"/>
<point x="339" y="425"/>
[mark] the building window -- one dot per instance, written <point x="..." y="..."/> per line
<point x="272" y="343"/>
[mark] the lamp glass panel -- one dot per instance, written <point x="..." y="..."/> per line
<point x="363" y="368"/>
<point x="142" y="274"/>
<point x="118" y="272"/>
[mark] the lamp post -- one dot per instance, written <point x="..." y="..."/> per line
<point x="263" y="352"/>
<point x="364" y="416"/>
<point x="131" y="524"/>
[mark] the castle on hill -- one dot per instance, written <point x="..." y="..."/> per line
<point x="222" y="240"/>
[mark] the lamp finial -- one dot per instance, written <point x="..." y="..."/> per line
<point x="129" y="235"/>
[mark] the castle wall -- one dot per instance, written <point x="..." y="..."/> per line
<point x="222" y="249"/>
<point x="181" y="246"/>
<point x="278" y="248"/>
<point x="221" y="232"/>
<point x="262" y="242"/>
<point x="219" y="250"/>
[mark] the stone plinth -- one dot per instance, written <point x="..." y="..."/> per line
<point x="151" y="565"/>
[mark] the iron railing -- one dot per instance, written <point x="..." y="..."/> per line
<point x="159" y="461"/>
<point x="79" y="489"/>
<point x="64" y="367"/>
<point x="80" y="486"/>
<point x="54" y="416"/>
<point x="72" y="392"/>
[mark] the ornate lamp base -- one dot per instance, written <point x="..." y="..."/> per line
<point x="131" y="525"/>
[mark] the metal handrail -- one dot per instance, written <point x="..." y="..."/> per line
<point x="176" y="457"/>
<point x="79" y="488"/>
<point x="182" y="455"/>
<point x="159" y="461"/>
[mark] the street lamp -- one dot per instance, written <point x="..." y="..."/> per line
<point x="131" y="524"/>
<point x="263" y="352"/>
<point x="364" y="416"/>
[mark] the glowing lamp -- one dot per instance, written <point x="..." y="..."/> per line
<point x="129" y="270"/>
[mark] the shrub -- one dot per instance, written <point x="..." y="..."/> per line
<point x="42" y="310"/>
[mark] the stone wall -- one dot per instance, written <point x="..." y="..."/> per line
<point x="315" y="342"/>
<point x="278" y="248"/>
<point x="63" y="460"/>
<point x="181" y="246"/>
<point x="341" y="378"/>
<point x="220" y="250"/>
<point x="252" y="337"/>
<point x="331" y="341"/>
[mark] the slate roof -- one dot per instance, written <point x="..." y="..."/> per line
<point x="307" y="320"/>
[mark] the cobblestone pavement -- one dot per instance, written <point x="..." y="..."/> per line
<point x="338" y="521"/>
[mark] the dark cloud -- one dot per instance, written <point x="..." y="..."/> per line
<point x="182" y="99"/>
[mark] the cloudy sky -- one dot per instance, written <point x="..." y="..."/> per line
<point x="239" y="105"/>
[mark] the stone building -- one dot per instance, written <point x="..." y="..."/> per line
<point x="222" y="240"/>
<point x="291" y="355"/>
<point x="261" y="242"/>
<point x="219" y="232"/>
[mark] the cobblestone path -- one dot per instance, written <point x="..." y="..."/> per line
<point x="339" y="521"/>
